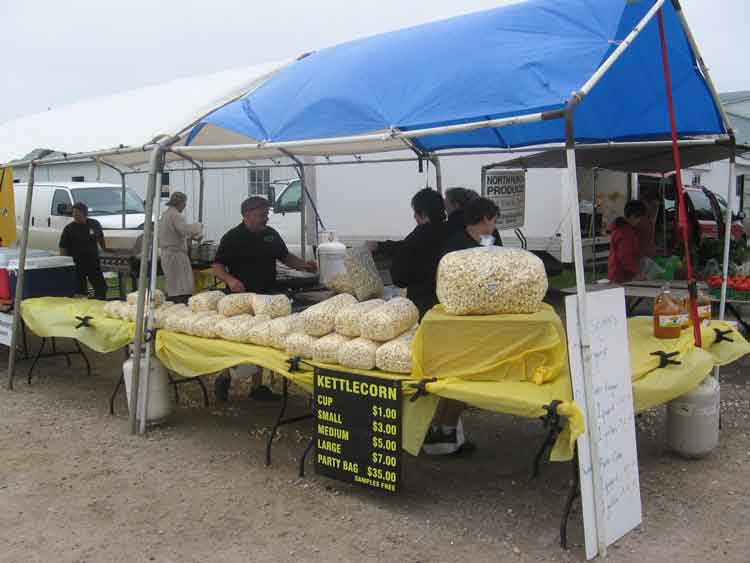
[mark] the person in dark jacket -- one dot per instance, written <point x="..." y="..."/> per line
<point x="81" y="239"/>
<point x="624" y="244"/>
<point x="416" y="259"/>
<point x="456" y="201"/>
<point x="480" y="216"/>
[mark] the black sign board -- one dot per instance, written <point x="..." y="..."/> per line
<point x="358" y="429"/>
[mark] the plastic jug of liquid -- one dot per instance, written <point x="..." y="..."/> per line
<point x="668" y="315"/>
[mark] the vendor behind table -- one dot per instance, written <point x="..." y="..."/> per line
<point x="175" y="234"/>
<point x="624" y="247"/>
<point x="81" y="240"/>
<point x="246" y="262"/>
<point x="456" y="200"/>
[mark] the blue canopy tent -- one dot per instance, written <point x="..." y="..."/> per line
<point x="537" y="74"/>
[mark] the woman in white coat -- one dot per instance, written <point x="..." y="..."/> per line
<point x="175" y="235"/>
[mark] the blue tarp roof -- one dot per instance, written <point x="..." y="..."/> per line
<point x="512" y="60"/>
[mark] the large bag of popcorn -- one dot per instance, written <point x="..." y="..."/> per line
<point x="280" y="328"/>
<point x="185" y="323"/>
<point x="320" y="319"/>
<point x="271" y="305"/>
<point x="205" y="326"/>
<point x="395" y="356"/>
<point x="206" y="301"/>
<point x="173" y="313"/>
<point x="326" y="349"/>
<point x="363" y="274"/>
<point x="236" y="329"/>
<point x="235" y="304"/>
<point x="390" y="320"/>
<point x="114" y="309"/>
<point x="358" y="353"/>
<point x="258" y="334"/>
<point x="158" y="297"/>
<point x="339" y="282"/>
<point x="348" y="318"/>
<point x="300" y="344"/>
<point x="160" y="314"/>
<point x="491" y="281"/>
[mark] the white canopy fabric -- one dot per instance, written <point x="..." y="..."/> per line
<point x="133" y="118"/>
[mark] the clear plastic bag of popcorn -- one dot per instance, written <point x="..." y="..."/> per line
<point x="395" y="356"/>
<point x="301" y="345"/>
<point x="358" y="353"/>
<point x="491" y="281"/>
<point x="320" y="319"/>
<point x="114" y="309"/>
<point x="237" y="328"/>
<point x="339" y="282"/>
<point x="235" y="304"/>
<point x="326" y="349"/>
<point x="390" y="320"/>
<point x="172" y="314"/>
<point x="272" y="305"/>
<point x="132" y="298"/>
<point x="280" y="328"/>
<point x="160" y="314"/>
<point x="259" y="334"/>
<point x="348" y="318"/>
<point x="185" y="323"/>
<point x="363" y="274"/>
<point x="205" y="325"/>
<point x="205" y="301"/>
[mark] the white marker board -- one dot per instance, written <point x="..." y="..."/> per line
<point x="613" y="400"/>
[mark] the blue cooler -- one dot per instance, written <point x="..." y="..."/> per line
<point x="45" y="276"/>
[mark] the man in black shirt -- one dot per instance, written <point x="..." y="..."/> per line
<point x="246" y="262"/>
<point x="81" y="240"/>
<point x="247" y="254"/>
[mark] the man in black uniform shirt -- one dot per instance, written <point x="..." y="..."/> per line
<point x="246" y="262"/>
<point x="81" y="240"/>
<point x="247" y="254"/>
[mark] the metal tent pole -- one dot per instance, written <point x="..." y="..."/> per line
<point x="201" y="180"/>
<point x="683" y="224"/>
<point x="18" y="297"/>
<point x="153" y="275"/>
<point x="591" y="420"/>
<point x="728" y="232"/>
<point x="155" y="164"/>
<point x="438" y="174"/>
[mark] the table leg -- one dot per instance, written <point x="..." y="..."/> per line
<point x="304" y="456"/>
<point x="120" y="382"/>
<point x="282" y="410"/>
<point x="36" y="360"/>
<point x="737" y="315"/>
<point x="85" y="359"/>
<point x="573" y="493"/>
<point x="633" y="305"/>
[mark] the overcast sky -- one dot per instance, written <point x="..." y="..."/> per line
<point x="56" y="52"/>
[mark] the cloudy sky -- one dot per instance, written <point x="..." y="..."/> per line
<point x="58" y="52"/>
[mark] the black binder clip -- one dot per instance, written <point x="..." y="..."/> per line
<point x="421" y="387"/>
<point x="294" y="364"/>
<point x="84" y="321"/>
<point x="722" y="335"/>
<point x="666" y="359"/>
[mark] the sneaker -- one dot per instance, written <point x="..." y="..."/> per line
<point x="263" y="393"/>
<point x="221" y="388"/>
<point x="439" y="442"/>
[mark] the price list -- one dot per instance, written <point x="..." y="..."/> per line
<point x="358" y="429"/>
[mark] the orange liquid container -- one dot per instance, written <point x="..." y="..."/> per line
<point x="686" y="320"/>
<point x="668" y="316"/>
<point x="704" y="307"/>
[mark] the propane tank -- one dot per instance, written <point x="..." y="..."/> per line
<point x="331" y="254"/>
<point x="159" y="405"/>
<point x="693" y="421"/>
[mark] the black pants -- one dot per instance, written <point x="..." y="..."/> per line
<point x="90" y="271"/>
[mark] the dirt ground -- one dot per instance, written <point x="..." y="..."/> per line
<point x="75" y="486"/>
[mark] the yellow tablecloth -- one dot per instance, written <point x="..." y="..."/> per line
<point x="56" y="316"/>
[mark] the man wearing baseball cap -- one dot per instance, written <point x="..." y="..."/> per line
<point x="247" y="254"/>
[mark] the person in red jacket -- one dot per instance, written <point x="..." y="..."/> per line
<point x="624" y="244"/>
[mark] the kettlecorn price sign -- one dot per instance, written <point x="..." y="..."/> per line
<point x="358" y="429"/>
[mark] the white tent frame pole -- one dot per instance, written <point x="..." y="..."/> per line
<point x="155" y="165"/>
<point x="18" y="297"/>
<point x="201" y="181"/>
<point x="438" y="173"/>
<point x="624" y="44"/>
<point x="727" y="234"/>
<point x="153" y="275"/>
<point x="584" y="338"/>
<point x="80" y="156"/>
<point x="99" y="162"/>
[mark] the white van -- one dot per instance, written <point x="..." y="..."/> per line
<point x="52" y="208"/>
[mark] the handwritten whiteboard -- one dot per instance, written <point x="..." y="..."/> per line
<point x="613" y="412"/>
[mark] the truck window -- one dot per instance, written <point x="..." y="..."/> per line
<point x="702" y="205"/>
<point x="290" y="199"/>
<point x="60" y="197"/>
<point x="107" y="201"/>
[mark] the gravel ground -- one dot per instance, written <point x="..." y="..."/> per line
<point x="75" y="486"/>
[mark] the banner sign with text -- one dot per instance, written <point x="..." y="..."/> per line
<point x="507" y="188"/>
<point x="358" y="429"/>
